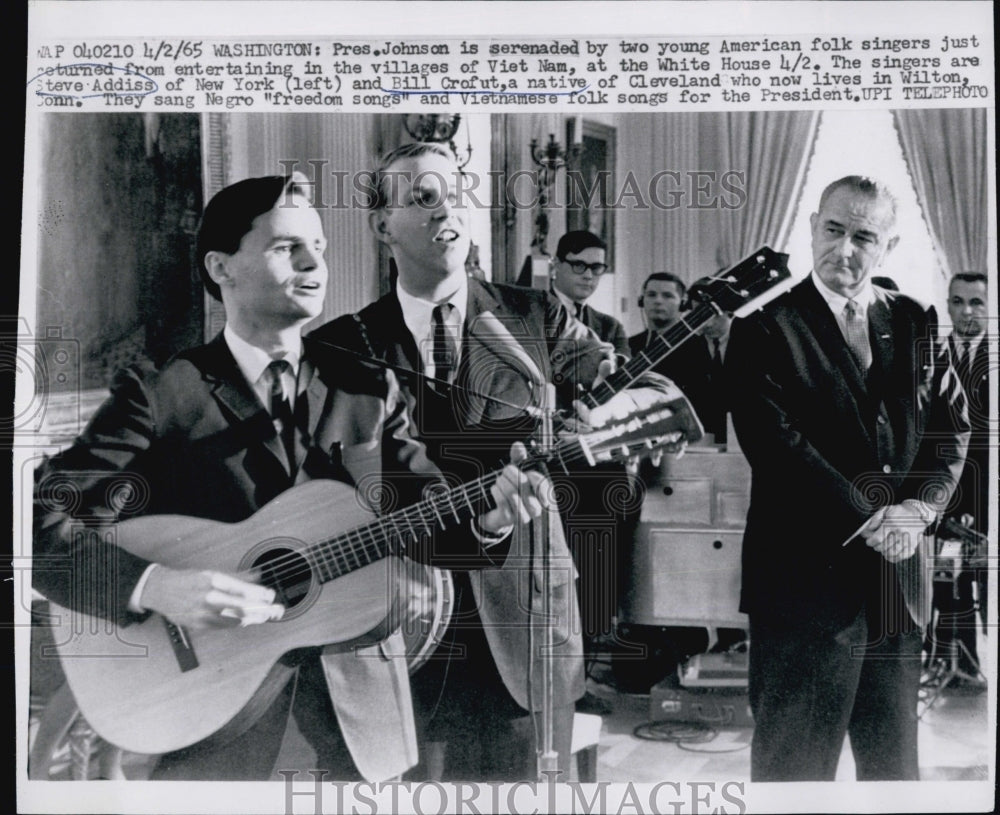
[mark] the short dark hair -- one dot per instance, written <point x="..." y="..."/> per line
<point x="379" y="198"/>
<point x="870" y="187"/>
<point x="968" y="277"/>
<point x="886" y="283"/>
<point x="668" y="277"/>
<point x="573" y="243"/>
<point x="233" y="209"/>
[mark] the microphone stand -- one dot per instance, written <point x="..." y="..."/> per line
<point x="544" y="440"/>
<point x="548" y="758"/>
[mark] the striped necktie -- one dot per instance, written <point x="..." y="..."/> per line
<point x="856" y="334"/>
<point x="444" y="351"/>
<point x="281" y="409"/>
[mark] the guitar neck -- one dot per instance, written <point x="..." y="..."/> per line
<point x="662" y="345"/>
<point x="391" y="533"/>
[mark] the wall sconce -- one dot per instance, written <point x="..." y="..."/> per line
<point x="550" y="159"/>
<point x="439" y="128"/>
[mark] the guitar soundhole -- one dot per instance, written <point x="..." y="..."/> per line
<point x="288" y="573"/>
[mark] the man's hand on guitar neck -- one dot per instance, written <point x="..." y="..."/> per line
<point x="204" y="599"/>
<point x="519" y="496"/>
<point x="631" y="402"/>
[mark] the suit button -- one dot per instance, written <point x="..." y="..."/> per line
<point x="886" y="468"/>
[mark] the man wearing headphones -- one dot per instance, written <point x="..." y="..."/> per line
<point x="661" y="301"/>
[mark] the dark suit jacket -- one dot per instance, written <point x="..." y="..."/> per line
<point x="607" y="328"/>
<point x="688" y="365"/>
<point x="512" y="336"/>
<point x="973" y="494"/>
<point x="193" y="439"/>
<point x="827" y="448"/>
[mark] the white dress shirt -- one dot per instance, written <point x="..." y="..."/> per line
<point x="252" y="362"/>
<point x="417" y="314"/>
<point x="836" y="301"/>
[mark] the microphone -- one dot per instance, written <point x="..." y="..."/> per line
<point x="412" y="375"/>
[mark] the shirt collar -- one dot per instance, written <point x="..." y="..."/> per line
<point x="973" y="342"/>
<point x="253" y="361"/>
<point x="417" y="311"/>
<point x="836" y="301"/>
<point x="568" y="301"/>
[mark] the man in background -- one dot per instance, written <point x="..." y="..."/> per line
<point x="692" y="363"/>
<point x="968" y="347"/>
<point x="602" y="524"/>
<point x="576" y="270"/>
<point x="855" y="432"/>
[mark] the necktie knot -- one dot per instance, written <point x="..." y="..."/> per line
<point x="278" y="368"/>
<point x="578" y="308"/>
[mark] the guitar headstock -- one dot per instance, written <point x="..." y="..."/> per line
<point x="641" y="434"/>
<point x="741" y="289"/>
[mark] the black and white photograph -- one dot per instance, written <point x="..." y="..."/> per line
<point x="484" y="457"/>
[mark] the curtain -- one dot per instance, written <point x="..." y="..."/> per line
<point x="772" y="151"/>
<point x="945" y="151"/>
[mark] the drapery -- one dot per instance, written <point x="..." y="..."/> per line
<point x="945" y="151"/>
<point x="772" y="151"/>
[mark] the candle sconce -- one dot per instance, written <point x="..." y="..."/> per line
<point x="440" y="128"/>
<point x="551" y="158"/>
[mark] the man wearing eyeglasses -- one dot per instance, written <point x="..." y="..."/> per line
<point x="579" y="263"/>
<point x="600" y="527"/>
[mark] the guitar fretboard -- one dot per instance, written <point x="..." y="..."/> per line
<point x="660" y="347"/>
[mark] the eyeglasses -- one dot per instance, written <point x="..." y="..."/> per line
<point x="579" y="267"/>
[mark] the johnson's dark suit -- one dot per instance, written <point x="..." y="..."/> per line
<point x="489" y="677"/>
<point x="198" y="441"/>
<point x="827" y="446"/>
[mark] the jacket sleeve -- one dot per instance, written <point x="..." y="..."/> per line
<point x="620" y="340"/>
<point x="410" y="475"/>
<point x="78" y="495"/>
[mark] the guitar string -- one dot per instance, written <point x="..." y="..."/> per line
<point x="414" y="516"/>
<point x="729" y="280"/>
<point x="372" y="543"/>
<point x="329" y="556"/>
<point x="624" y="376"/>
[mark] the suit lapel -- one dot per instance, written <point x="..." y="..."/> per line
<point x="237" y="399"/>
<point x="880" y="333"/>
<point x="826" y="331"/>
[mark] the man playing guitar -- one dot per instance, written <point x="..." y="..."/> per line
<point x="218" y="432"/>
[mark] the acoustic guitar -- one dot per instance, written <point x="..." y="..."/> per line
<point x="155" y="687"/>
